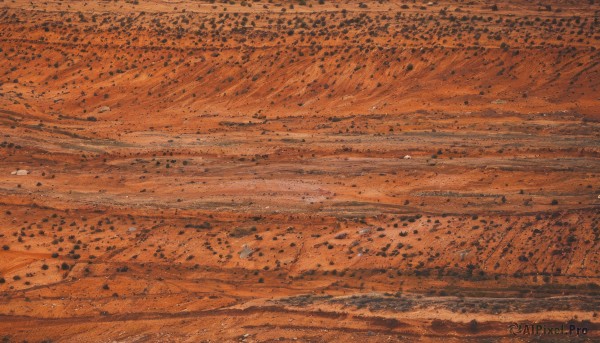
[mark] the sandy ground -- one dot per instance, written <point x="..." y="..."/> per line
<point x="256" y="171"/>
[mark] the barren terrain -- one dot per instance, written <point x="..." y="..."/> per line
<point x="185" y="171"/>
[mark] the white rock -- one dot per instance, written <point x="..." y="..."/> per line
<point x="103" y="109"/>
<point x="20" y="172"/>
<point x="407" y="157"/>
<point x="246" y="252"/>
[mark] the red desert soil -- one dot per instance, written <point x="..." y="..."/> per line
<point x="210" y="171"/>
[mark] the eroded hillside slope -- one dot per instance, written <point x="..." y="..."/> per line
<point x="259" y="171"/>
